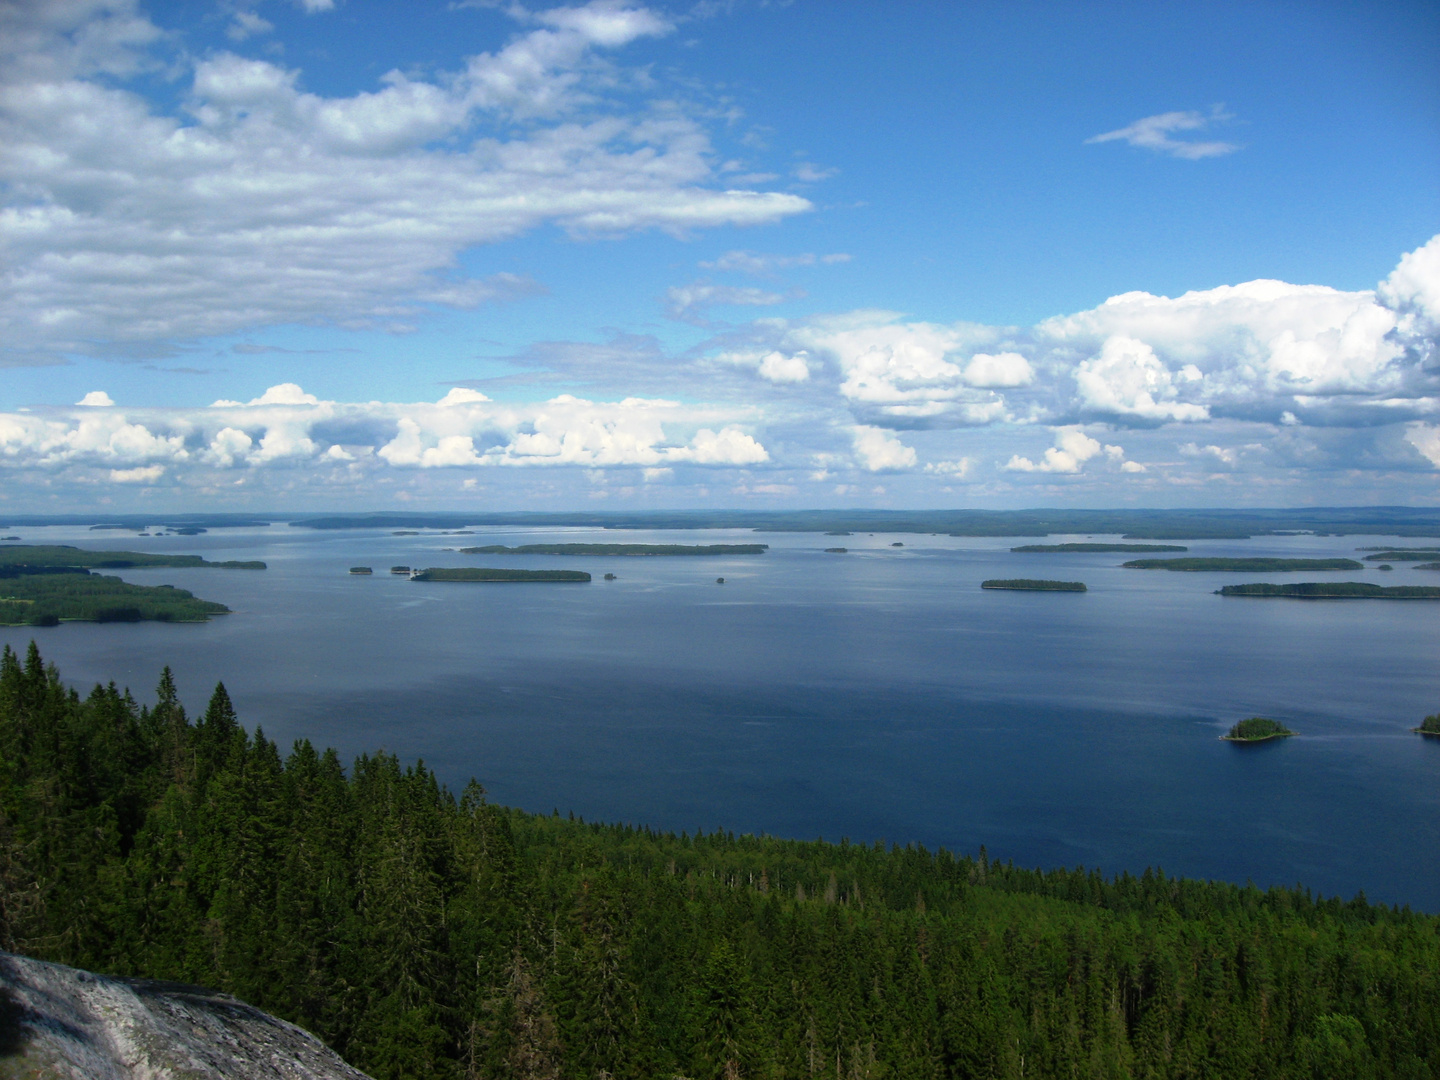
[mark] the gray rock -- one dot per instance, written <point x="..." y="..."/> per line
<point x="62" y="1023"/>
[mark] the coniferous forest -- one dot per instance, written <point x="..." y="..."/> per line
<point x="422" y="932"/>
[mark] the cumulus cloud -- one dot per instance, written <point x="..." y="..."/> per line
<point x="879" y="450"/>
<point x="1001" y="370"/>
<point x="128" y="228"/>
<point x="1072" y="449"/>
<point x="1127" y="379"/>
<point x="1426" y="439"/>
<point x="1154" y="133"/>
<point x="96" y="399"/>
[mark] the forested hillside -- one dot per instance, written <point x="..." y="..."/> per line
<point x="424" y="933"/>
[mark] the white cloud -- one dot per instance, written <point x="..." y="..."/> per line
<point x="1413" y="287"/>
<point x="688" y="302"/>
<point x="96" y="399"/>
<point x="1128" y="379"/>
<point x="955" y="469"/>
<point x="1153" y="133"/>
<point x="761" y="265"/>
<point x="247" y="24"/>
<point x="879" y="450"/>
<point x="462" y="395"/>
<point x="1001" y="370"/>
<point x="145" y="474"/>
<point x="127" y="229"/>
<point x="1071" y="450"/>
<point x="779" y="368"/>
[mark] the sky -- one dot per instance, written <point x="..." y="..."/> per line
<point x="299" y="254"/>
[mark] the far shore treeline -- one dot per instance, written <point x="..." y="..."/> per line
<point x="423" y="932"/>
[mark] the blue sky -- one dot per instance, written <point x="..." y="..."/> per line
<point x="718" y="254"/>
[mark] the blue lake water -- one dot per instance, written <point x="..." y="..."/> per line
<point x="877" y="694"/>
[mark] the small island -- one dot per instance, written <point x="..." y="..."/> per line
<point x="609" y="577"/>
<point x="837" y="551"/>
<point x="839" y="532"/>
<point x="1257" y="729"/>
<point x="1429" y="727"/>
<point x="361" y="571"/>
<point x="1337" y="590"/>
<point x="1247" y="565"/>
<point x="48" y="596"/>
<point x="1134" y="548"/>
<point x="492" y="574"/>
<point x="400" y="569"/>
<point x="65" y="555"/>
<point x="619" y="549"/>
<point x="1033" y="585"/>
<point x="1427" y="566"/>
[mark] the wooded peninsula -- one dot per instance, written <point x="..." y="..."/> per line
<point x="1036" y="548"/>
<point x="1336" y="590"/>
<point x="618" y="549"/>
<point x="1248" y="565"/>
<point x="64" y="555"/>
<point x="424" y="932"/>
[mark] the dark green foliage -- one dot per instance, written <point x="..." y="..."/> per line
<point x="64" y="555"/>
<point x="425" y="934"/>
<point x="1430" y="725"/>
<point x="1098" y="547"/>
<point x="1257" y="729"/>
<point x="1336" y="590"/>
<point x="836" y="551"/>
<point x="619" y="549"/>
<point x="1403" y="555"/>
<point x="485" y="573"/>
<point x="1033" y="585"/>
<point x="44" y="599"/>
<point x="1254" y="566"/>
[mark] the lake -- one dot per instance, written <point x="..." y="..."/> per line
<point x="879" y="694"/>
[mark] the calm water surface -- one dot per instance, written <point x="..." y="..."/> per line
<point x="877" y="694"/>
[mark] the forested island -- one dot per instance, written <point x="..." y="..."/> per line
<point x="1404" y="555"/>
<point x="1037" y="548"/>
<point x="50" y="595"/>
<point x="421" y="931"/>
<point x="64" y="555"/>
<point x="1337" y="590"/>
<point x="1257" y="729"/>
<point x="1247" y="565"/>
<point x="485" y="573"/>
<point x="1033" y="585"/>
<point x="1429" y="726"/>
<point x="619" y="549"/>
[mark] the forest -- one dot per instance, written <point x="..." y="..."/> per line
<point x="1334" y="590"/>
<point x="49" y="595"/>
<point x="65" y="555"/>
<point x="1248" y="565"/>
<point x="425" y="932"/>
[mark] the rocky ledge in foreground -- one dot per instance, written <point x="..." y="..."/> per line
<point x="63" y="1023"/>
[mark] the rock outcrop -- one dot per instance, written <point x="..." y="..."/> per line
<point x="62" y="1023"/>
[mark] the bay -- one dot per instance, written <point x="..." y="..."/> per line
<point x="875" y="695"/>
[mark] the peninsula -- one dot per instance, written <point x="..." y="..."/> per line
<point x="485" y="573"/>
<point x="618" y="549"/>
<point x="1257" y="729"/>
<point x="1033" y="585"/>
<point x="1038" y="548"/>
<point x="48" y="596"/>
<point x="1335" y="590"/>
<point x="1251" y="566"/>
<point x="65" y="555"/>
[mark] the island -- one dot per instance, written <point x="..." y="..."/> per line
<point x="492" y="574"/>
<point x="1257" y="729"/>
<point x="400" y="569"/>
<point x="1246" y="565"/>
<point x="65" y="555"/>
<point x="1429" y="727"/>
<point x="1033" y="585"/>
<point x="1336" y="590"/>
<point x="609" y="577"/>
<point x="619" y="549"/>
<point x="1038" y="548"/>
<point x="837" y="551"/>
<point x="361" y="571"/>
<point x="1404" y="555"/>
<point x="48" y="596"/>
<point x="1427" y="566"/>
